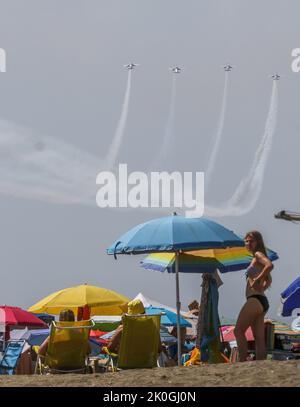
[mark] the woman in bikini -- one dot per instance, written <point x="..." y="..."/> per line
<point x="253" y="312"/>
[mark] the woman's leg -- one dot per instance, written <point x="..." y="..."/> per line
<point x="258" y="328"/>
<point x="248" y="314"/>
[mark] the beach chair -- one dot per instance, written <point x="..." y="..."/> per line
<point x="11" y="357"/>
<point x="68" y="348"/>
<point x="139" y="343"/>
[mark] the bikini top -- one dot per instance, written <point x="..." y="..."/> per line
<point x="252" y="272"/>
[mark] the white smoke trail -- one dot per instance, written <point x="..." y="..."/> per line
<point x="45" y="168"/>
<point x="119" y="134"/>
<point x="49" y="170"/>
<point x="216" y="144"/>
<point x="169" y="130"/>
<point x="248" y="191"/>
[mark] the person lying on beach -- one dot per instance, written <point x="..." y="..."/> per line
<point x="135" y="307"/>
<point x="253" y="312"/>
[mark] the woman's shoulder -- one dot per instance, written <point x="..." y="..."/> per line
<point x="260" y="256"/>
<point x="263" y="260"/>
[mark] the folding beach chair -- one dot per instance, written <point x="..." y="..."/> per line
<point x="11" y="356"/>
<point x="68" y="348"/>
<point x="139" y="343"/>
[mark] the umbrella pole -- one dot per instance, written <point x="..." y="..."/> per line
<point x="178" y="308"/>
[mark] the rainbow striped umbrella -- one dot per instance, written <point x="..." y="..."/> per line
<point x="203" y="261"/>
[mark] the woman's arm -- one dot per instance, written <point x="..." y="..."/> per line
<point x="115" y="340"/>
<point x="44" y="346"/>
<point x="267" y="268"/>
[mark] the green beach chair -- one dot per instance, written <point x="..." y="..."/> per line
<point x="68" y="348"/>
<point x="139" y="343"/>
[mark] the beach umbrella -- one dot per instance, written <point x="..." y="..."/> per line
<point x="203" y="261"/>
<point x="12" y="317"/>
<point x="15" y="316"/>
<point x="168" y="318"/>
<point x="100" y="301"/>
<point x="175" y="234"/>
<point x="290" y="298"/>
<point x="47" y="318"/>
<point x="35" y="337"/>
<point x="228" y="334"/>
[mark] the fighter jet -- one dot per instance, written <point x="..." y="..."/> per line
<point x="292" y="216"/>
<point x="275" y="77"/>
<point x="175" y="69"/>
<point x="227" y="68"/>
<point x="131" y="66"/>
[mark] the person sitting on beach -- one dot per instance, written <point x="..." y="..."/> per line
<point x="66" y="315"/>
<point x="253" y="312"/>
<point x="173" y="349"/>
<point x="135" y="307"/>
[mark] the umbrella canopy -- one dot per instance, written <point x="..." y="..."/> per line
<point x="168" y="318"/>
<point x="291" y="288"/>
<point x="36" y="336"/>
<point x="203" y="261"/>
<point x="174" y="233"/>
<point x="228" y="334"/>
<point x="290" y="298"/>
<point x="101" y="301"/>
<point x="15" y="316"/>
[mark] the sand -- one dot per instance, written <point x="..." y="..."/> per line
<point x="264" y="373"/>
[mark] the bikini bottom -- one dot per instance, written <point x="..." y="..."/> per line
<point x="262" y="299"/>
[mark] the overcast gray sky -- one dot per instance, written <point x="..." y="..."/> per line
<point x="65" y="79"/>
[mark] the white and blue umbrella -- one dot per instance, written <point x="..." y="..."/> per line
<point x="290" y="298"/>
<point x="175" y="234"/>
<point x="168" y="318"/>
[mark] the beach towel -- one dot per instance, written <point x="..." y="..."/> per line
<point x="210" y="344"/>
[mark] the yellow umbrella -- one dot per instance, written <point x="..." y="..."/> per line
<point x="101" y="301"/>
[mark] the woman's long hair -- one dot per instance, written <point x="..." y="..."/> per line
<point x="260" y="245"/>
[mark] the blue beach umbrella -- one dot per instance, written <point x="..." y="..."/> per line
<point x="174" y="234"/>
<point x="168" y="318"/>
<point x="290" y="298"/>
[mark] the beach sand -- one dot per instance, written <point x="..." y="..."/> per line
<point x="264" y="373"/>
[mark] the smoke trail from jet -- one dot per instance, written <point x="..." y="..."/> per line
<point x="169" y="129"/>
<point x="216" y="144"/>
<point x="48" y="170"/>
<point x="116" y="143"/>
<point x="248" y="191"/>
<point x="44" y="168"/>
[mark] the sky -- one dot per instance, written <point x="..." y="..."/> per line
<point x="64" y="88"/>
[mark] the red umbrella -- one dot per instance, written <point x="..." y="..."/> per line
<point x="15" y="316"/>
<point x="228" y="334"/>
<point x="96" y="335"/>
